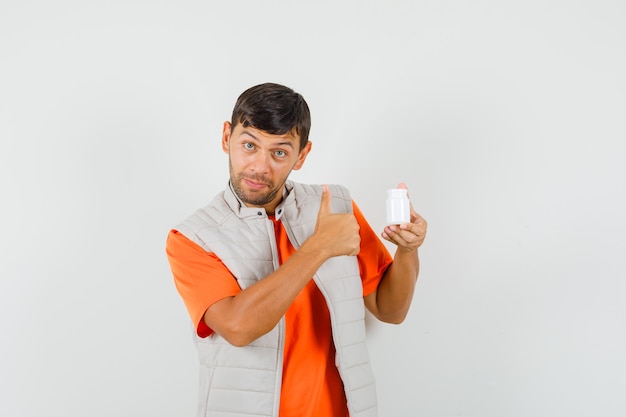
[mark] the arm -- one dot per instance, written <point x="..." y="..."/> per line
<point x="391" y="301"/>
<point x="253" y="312"/>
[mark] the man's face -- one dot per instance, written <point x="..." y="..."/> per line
<point x="260" y="163"/>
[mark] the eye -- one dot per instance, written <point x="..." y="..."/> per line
<point x="248" y="146"/>
<point x="280" y="154"/>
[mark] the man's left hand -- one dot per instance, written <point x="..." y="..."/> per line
<point x="407" y="236"/>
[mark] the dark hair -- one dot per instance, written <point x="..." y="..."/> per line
<point x="275" y="109"/>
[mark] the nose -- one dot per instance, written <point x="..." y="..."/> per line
<point x="260" y="163"/>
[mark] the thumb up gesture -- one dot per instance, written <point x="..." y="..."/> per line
<point x="338" y="232"/>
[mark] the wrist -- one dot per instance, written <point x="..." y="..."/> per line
<point x="315" y="249"/>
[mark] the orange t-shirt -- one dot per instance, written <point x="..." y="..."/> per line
<point x="311" y="383"/>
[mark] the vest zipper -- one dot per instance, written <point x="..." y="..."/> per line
<point x="281" y="324"/>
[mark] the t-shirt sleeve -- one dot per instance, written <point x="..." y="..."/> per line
<point x="373" y="258"/>
<point x="200" y="277"/>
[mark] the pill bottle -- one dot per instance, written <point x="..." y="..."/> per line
<point x="398" y="211"/>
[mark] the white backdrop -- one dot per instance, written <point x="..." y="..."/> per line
<point x="504" y="118"/>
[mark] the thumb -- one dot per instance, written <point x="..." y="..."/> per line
<point x="326" y="197"/>
<point x="402" y="185"/>
<point x="411" y="209"/>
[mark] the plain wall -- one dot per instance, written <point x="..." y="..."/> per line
<point x="505" y="119"/>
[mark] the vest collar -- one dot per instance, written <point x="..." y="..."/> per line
<point x="243" y="211"/>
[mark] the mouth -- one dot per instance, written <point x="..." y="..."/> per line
<point x="254" y="185"/>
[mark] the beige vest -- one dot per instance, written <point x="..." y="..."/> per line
<point x="246" y="381"/>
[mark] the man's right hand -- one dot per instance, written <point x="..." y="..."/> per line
<point x="338" y="233"/>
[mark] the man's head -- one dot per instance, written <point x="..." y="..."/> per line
<point x="266" y="139"/>
<point x="275" y="109"/>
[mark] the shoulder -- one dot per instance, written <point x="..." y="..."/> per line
<point x="316" y="189"/>
<point x="341" y="199"/>
<point x="212" y="214"/>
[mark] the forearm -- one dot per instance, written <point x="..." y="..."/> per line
<point x="257" y="309"/>
<point x="395" y="291"/>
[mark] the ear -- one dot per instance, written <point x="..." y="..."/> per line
<point x="302" y="155"/>
<point x="227" y="130"/>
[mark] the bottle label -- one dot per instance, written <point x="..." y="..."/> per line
<point x="398" y="206"/>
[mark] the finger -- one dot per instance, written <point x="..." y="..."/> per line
<point x="408" y="240"/>
<point x="326" y="198"/>
<point x="406" y="235"/>
<point x="403" y="186"/>
<point x="415" y="216"/>
<point x="393" y="237"/>
<point x="417" y="228"/>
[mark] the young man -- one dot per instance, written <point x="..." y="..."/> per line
<point x="276" y="275"/>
